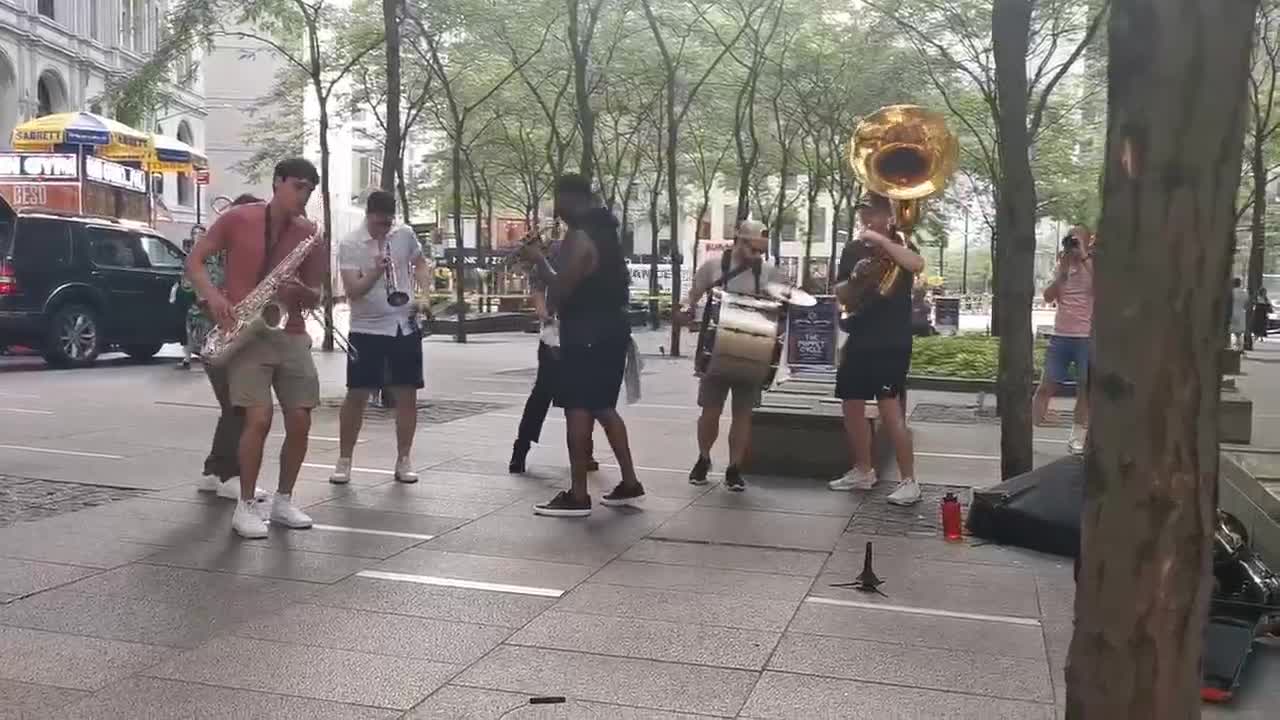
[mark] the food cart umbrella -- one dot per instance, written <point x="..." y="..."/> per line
<point x="107" y="138"/>
<point x="172" y="155"/>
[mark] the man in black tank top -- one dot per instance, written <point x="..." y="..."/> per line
<point x="591" y="291"/>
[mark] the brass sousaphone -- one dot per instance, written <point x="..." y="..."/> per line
<point x="905" y="153"/>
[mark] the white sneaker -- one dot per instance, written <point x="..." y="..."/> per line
<point x="907" y="493"/>
<point x="246" y="522"/>
<point x="1075" y="443"/>
<point x="284" y="513"/>
<point x="341" y="472"/>
<point x="404" y="471"/>
<point x="230" y="490"/>
<point x="208" y="483"/>
<point x="855" y="479"/>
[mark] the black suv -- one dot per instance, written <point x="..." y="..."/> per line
<point x="74" y="286"/>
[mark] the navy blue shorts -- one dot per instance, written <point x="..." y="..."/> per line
<point x="385" y="361"/>
<point x="1063" y="353"/>
<point x="591" y="375"/>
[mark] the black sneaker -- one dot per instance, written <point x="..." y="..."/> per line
<point x="733" y="479"/>
<point x="698" y="475"/>
<point x="622" y="495"/>
<point x="563" y="505"/>
<point x="519" y="452"/>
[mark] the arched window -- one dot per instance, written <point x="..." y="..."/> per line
<point x="51" y="94"/>
<point x="8" y="99"/>
<point x="186" y="194"/>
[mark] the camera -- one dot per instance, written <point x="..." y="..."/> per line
<point x="1070" y="242"/>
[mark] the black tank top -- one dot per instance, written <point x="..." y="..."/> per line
<point x="596" y="311"/>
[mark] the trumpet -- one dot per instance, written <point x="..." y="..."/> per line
<point x="395" y="296"/>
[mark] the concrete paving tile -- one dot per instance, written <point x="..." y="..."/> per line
<point x="985" y="589"/>
<point x="182" y="586"/>
<point x="582" y="541"/>
<point x="171" y="700"/>
<point x="388" y="521"/>
<point x="703" y="580"/>
<point x="19" y="577"/>
<point x="428" y="489"/>
<point x="781" y="696"/>
<point x="994" y="638"/>
<point x="973" y="550"/>
<point x="649" y="639"/>
<point x="727" y="557"/>
<point x="439" y="507"/>
<point x="994" y="675"/>
<point x="81" y="663"/>
<point x="24" y="701"/>
<point x="744" y="527"/>
<point x="446" y="603"/>
<point x="426" y="560"/>
<point x="381" y="633"/>
<point x="137" y="620"/>
<point x="320" y="673"/>
<point x="452" y="702"/>
<point x="640" y="683"/>
<point x="245" y="558"/>
<point x="751" y="613"/>
<point x="335" y="542"/>
<point x="94" y="551"/>
<point x="785" y="495"/>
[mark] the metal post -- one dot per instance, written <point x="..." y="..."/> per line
<point x="964" y="273"/>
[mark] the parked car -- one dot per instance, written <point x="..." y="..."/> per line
<point x="75" y="286"/>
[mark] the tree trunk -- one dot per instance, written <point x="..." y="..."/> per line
<point x="673" y="203"/>
<point x="1257" y="229"/>
<point x="391" y="155"/>
<point x="1016" y="218"/>
<point x="586" y="118"/>
<point x="653" y="257"/>
<point x="1175" y="103"/>
<point x="327" y="214"/>
<point x="812" y="199"/>
<point x="459" y="267"/>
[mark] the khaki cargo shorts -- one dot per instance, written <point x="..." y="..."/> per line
<point x="276" y="360"/>
<point x="712" y="393"/>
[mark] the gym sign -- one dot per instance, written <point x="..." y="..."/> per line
<point x="109" y="173"/>
<point x="40" y="166"/>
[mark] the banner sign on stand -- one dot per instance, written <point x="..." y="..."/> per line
<point x="812" y="333"/>
<point x="946" y="315"/>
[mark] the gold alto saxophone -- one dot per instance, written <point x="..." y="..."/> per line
<point x="260" y="311"/>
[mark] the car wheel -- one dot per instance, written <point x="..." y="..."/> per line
<point x="75" y="337"/>
<point x="142" y="352"/>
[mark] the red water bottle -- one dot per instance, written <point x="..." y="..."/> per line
<point x="951" y="521"/>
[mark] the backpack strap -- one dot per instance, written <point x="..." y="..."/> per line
<point x="726" y="276"/>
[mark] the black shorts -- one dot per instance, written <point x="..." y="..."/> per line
<point x="872" y="373"/>
<point x="385" y="361"/>
<point x="591" y="375"/>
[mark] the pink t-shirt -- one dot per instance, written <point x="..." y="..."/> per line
<point x="1075" y="302"/>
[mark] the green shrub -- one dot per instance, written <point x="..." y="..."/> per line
<point x="970" y="356"/>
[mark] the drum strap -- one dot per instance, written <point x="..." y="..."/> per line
<point x="726" y="275"/>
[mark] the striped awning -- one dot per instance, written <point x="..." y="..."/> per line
<point x="108" y="138"/>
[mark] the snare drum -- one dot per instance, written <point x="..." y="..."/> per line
<point x="740" y="340"/>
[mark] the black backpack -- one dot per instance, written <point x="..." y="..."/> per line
<point x="725" y="276"/>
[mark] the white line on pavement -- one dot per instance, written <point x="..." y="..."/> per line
<point x="499" y="394"/>
<point x="375" y="471"/>
<point x="677" y="471"/>
<point x="956" y="456"/>
<point x="366" y="531"/>
<point x="52" y="451"/>
<point x="26" y="411"/>
<point x="20" y="395"/>
<point x="457" y="583"/>
<point x="316" y="437"/>
<point x="525" y="381"/>
<point x="909" y="610"/>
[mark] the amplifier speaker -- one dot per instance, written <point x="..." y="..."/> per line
<point x="1039" y="510"/>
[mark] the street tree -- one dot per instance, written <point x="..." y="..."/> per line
<point x="1177" y="104"/>
<point x="1262" y="131"/>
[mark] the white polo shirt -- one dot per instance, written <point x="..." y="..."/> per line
<point x="372" y="314"/>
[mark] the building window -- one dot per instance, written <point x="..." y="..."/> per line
<point x="186" y="190"/>
<point x="366" y="173"/>
<point x="51" y="96"/>
<point x="45" y="8"/>
<point x="730" y="217"/>
<point x="93" y="20"/>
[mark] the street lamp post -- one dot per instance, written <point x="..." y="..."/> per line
<point x="964" y="273"/>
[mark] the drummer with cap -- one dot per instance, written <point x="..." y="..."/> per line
<point x="739" y="270"/>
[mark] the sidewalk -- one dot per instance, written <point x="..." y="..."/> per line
<point x="448" y="599"/>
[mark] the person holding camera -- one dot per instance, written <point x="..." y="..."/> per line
<point x="1072" y="292"/>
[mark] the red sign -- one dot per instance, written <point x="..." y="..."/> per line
<point x="202" y="177"/>
<point x="52" y="196"/>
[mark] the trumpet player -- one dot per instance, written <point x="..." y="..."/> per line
<point x="255" y="239"/>
<point x="877" y="353"/>
<point x="381" y="262"/>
